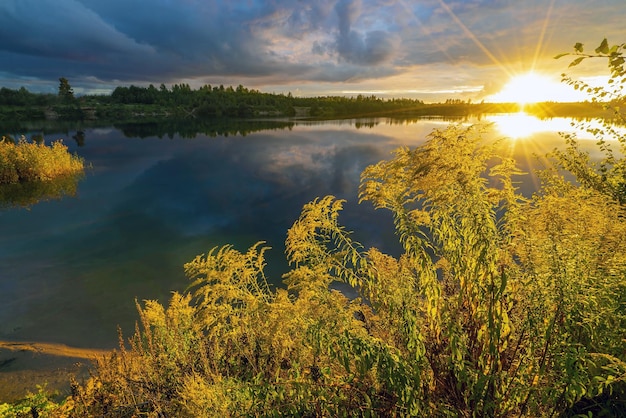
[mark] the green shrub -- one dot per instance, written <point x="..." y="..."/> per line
<point x="37" y="404"/>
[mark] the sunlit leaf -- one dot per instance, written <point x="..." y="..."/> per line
<point x="576" y="61"/>
<point x="603" y="48"/>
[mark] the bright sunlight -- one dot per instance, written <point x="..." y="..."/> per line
<point x="521" y="125"/>
<point x="535" y="88"/>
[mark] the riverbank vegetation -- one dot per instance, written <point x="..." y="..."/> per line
<point x="31" y="171"/>
<point x="24" y="161"/>
<point x="498" y="306"/>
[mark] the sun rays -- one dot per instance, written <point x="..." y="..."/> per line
<point x="521" y="87"/>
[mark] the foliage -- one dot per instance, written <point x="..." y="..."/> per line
<point x="607" y="176"/>
<point x="38" y="404"/>
<point x="616" y="60"/>
<point x="151" y="105"/>
<point x="31" y="161"/>
<point x="498" y="306"/>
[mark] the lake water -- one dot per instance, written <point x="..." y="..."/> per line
<point x="71" y="268"/>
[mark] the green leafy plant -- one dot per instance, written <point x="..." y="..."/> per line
<point x="609" y="174"/>
<point x="498" y="306"/>
<point x="38" y="404"/>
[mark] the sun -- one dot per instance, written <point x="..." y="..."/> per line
<point x="534" y="88"/>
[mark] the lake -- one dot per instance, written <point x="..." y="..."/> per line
<point x="71" y="268"/>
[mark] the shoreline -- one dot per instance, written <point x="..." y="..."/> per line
<point x="25" y="366"/>
<point x="53" y="349"/>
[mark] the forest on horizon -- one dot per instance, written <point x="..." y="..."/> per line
<point x="181" y="101"/>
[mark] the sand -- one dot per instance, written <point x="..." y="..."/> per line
<point x="25" y="365"/>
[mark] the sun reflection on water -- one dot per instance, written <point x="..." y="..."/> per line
<point x="522" y="125"/>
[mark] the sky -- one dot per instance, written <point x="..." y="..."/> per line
<point x="424" y="49"/>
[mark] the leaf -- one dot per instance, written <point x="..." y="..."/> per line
<point x="578" y="47"/>
<point x="576" y="62"/>
<point x="556" y="57"/>
<point x="603" y="48"/>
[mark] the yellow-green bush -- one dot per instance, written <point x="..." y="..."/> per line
<point x="29" y="161"/>
<point x="499" y="306"/>
<point x="37" y="404"/>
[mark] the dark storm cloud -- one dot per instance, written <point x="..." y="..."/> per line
<point x="209" y="37"/>
<point x="100" y="43"/>
<point x="124" y="41"/>
<point x="374" y="47"/>
<point x="62" y="29"/>
<point x="161" y="40"/>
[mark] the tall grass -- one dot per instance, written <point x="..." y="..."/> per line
<point x="29" y="161"/>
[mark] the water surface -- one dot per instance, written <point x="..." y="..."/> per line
<point x="72" y="268"/>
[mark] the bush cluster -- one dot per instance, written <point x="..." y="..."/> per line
<point x="25" y="161"/>
<point x="499" y="306"/>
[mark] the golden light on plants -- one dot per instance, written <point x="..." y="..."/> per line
<point x="534" y="88"/>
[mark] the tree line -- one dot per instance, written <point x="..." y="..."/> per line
<point x="182" y="101"/>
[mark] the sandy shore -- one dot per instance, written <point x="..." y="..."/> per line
<point x="52" y="349"/>
<point x="25" y="365"/>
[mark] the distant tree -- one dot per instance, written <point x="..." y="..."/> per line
<point x="120" y="95"/>
<point x="66" y="93"/>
